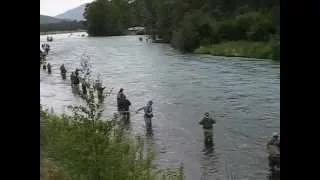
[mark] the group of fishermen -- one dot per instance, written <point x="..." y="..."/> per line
<point x="123" y="106"/>
<point x="45" y="48"/>
<point x="44" y="51"/>
<point x="76" y="80"/>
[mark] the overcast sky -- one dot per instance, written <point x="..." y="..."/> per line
<point x="55" y="7"/>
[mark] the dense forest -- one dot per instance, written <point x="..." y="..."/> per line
<point x="190" y="24"/>
<point x="63" y="26"/>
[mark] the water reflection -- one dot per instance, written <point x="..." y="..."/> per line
<point x="149" y="131"/>
<point x="209" y="158"/>
<point x="75" y="89"/>
<point x="274" y="165"/>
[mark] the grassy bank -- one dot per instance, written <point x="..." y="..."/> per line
<point x="78" y="148"/>
<point x="60" y="32"/>
<point x="260" y="50"/>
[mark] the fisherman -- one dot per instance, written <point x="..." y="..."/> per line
<point x="47" y="48"/>
<point x="273" y="147"/>
<point x="148" y="114"/>
<point x="100" y="93"/>
<point x="97" y="84"/>
<point x="41" y="57"/>
<point x="275" y="140"/>
<point x="72" y="78"/>
<point x="44" y="66"/>
<point x="76" y="79"/>
<point x="63" y="71"/>
<point x="77" y="72"/>
<point x="124" y="109"/>
<point x="207" y="124"/>
<point x="84" y="88"/>
<point x="120" y="97"/>
<point x="49" y="68"/>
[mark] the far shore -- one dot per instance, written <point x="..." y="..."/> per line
<point x="61" y="32"/>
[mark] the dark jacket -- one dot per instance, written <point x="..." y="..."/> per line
<point x="124" y="105"/>
<point x="120" y="97"/>
<point x="207" y="123"/>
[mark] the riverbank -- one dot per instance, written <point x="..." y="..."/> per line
<point x="61" y="32"/>
<point x="259" y="50"/>
<point x="76" y="147"/>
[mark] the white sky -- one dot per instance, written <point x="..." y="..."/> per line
<point x="55" y="7"/>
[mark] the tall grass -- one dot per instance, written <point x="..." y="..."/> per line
<point x="261" y="50"/>
<point x="76" y="148"/>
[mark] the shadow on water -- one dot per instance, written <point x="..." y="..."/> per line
<point x="125" y="121"/>
<point x="149" y="132"/>
<point x="75" y="89"/>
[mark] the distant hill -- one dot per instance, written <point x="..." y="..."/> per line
<point x="48" y="19"/>
<point x="73" y="14"/>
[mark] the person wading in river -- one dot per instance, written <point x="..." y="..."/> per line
<point x="207" y="125"/>
<point x="273" y="147"/>
<point x="63" y="71"/>
<point x="84" y="87"/>
<point x="100" y="93"/>
<point x="44" y="66"/>
<point x="148" y="114"/>
<point x="120" y="97"/>
<point x="124" y="109"/>
<point x="49" y="68"/>
<point x="77" y="72"/>
<point x="73" y="78"/>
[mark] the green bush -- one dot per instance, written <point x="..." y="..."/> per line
<point x="86" y="149"/>
<point x="252" y="26"/>
<point x="261" y="30"/>
<point x="249" y="49"/>
<point x="275" y="43"/>
<point x="82" y="146"/>
<point x="186" y="38"/>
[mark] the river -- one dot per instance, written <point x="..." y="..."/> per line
<point x="243" y="95"/>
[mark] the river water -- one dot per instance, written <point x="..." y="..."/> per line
<point x="242" y="94"/>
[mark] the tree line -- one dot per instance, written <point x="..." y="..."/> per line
<point x="187" y="24"/>
<point x="63" y="26"/>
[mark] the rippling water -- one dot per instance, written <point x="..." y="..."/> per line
<point x="244" y="95"/>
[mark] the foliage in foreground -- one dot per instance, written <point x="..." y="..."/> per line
<point x="77" y="148"/>
<point x="261" y="50"/>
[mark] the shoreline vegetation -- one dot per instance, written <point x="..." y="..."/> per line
<point x="231" y="28"/>
<point x="75" y="147"/>
<point x="82" y="145"/>
<point x="247" y="49"/>
<point x="62" y="32"/>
